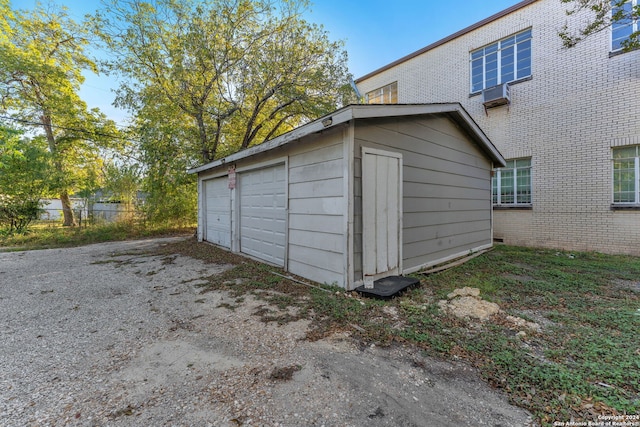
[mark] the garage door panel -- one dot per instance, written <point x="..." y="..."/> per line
<point x="217" y="212"/>
<point x="263" y="213"/>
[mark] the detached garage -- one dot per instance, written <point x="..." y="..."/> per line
<point x="366" y="192"/>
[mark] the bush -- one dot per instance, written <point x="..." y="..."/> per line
<point x="17" y="214"/>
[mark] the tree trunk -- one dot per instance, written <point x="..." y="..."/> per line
<point x="67" y="212"/>
<point x="207" y="154"/>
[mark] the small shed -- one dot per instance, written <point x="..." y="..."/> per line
<point x="366" y="192"/>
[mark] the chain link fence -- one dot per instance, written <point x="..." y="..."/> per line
<point x="97" y="214"/>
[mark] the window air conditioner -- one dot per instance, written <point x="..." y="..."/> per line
<point x="496" y="96"/>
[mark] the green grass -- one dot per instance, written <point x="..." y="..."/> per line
<point x="44" y="236"/>
<point x="585" y="361"/>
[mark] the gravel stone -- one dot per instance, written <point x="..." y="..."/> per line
<point x="111" y="335"/>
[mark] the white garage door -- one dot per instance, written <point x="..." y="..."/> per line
<point x="263" y="214"/>
<point x="218" y="212"/>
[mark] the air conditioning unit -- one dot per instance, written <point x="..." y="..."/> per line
<point x="496" y="96"/>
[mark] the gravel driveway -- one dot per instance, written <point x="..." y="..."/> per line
<point x="110" y="334"/>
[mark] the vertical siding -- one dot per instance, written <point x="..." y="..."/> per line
<point x="578" y="104"/>
<point x="447" y="188"/>
<point x="200" y="229"/>
<point x="216" y="216"/>
<point x="317" y="206"/>
<point x="202" y="208"/>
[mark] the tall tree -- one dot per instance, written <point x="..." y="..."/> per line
<point x="622" y="14"/>
<point x="238" y="71"/>
<point x="167" y="149"/>
<point x="42" y="53"/>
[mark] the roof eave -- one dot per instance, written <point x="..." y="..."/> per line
<point x="354" y="112"/>
<point x="330" y="120"/>
<point x="472" y="128"/>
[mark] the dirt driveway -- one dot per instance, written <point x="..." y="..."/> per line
<point x="109" y="334"/>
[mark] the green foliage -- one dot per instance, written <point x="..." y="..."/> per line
<point x="602" y="14"/>
<point x="122" y="181"/>
<point x="25" y="169"/>
<point x="43" y="56"/>
<point x="167" y="151"/>
<point x="587" y="354"/>
<point x="228" y="74"/>
<point x="44" y="236"/>
<point x="173" y="201"/>
<point x="16" y="214"/>
<point x="205" y="79"/>
<point x="171" y="193"/>
<point x="9" y="146"/>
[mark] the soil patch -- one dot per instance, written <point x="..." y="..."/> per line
<point x="115" y="334"/>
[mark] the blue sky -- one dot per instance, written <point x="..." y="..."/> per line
<point x="375" y="32"/>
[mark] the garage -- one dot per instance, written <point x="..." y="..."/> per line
<point x="364" y="193"/>
<point x="263" y="213"/>
<point x="217" y="211"/>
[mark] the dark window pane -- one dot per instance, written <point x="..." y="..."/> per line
<point x="523" y="185"/>
<point x="625" y="153"/>
<point x="509" y="41"/>
<point x="491" y="48"/>
<point x="477" y="76"/>
<point x="624" y="179"/>
<point x="523" y="36"/>
<point x="506" y="186"/>
<point x="512" y="53"/>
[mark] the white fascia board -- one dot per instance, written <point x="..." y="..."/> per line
<point x="325" y="122"/>
<point x="365" y="112"/>
<point x="481" y="138"/>
<point x="455" y="110"/>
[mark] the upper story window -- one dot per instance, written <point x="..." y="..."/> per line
<point x="504" y="61"/>
<point x="626" y="174"/>
<point x="622" y="28"/>
<point x="511" y="185"/>
<point x="385" y="95"/>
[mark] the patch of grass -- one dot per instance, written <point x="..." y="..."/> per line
<point x="591" y="363"/>
<point x="584" y="362"/>
<point x="56" y="237"/>
<point x="227" y="306"/>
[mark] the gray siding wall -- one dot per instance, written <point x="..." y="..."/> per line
<point x="317" y="209"/>
<point x="317" y="204"/>
<point x="578" y="105"/>
<point x="446" y="188"/>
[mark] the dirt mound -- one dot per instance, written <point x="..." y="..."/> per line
<point x="466" y="303"/>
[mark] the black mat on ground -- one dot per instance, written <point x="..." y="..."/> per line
<point x="388" y="286"/>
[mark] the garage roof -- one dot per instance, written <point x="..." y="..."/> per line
<point x="353" y="112"/>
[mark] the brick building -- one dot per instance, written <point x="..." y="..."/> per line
<point x="566" y="120"/>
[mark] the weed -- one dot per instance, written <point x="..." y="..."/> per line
<point x="591" y="342"/>
<point x="227" y="306"/>
<point x="583" y="363"/>
<point x="55" y="237"/>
